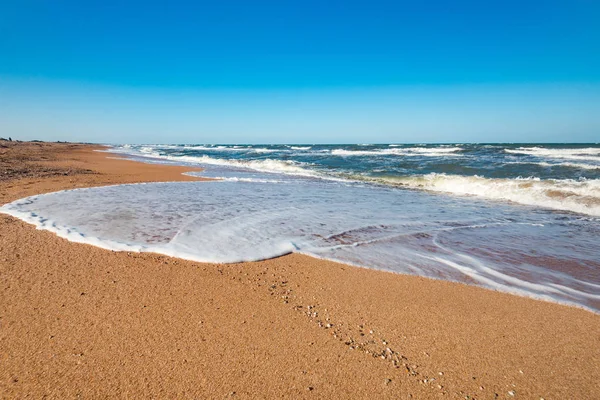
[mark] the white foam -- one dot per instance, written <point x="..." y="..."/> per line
<point x="581" y="196"/>
<point x="264" y="150"/>
<point x="571" y="165"/>
<point x="300" y="147"/>
<point x="408" y="151"/>
<point x="68" y="232"/>
<point x="288" y="167"/>
<point x="590" y="153"/>
<point x="205" y="148"/>
<point x="237" y="148"/>
<point x="269" y="165"/>
<point x="149" y="150"/>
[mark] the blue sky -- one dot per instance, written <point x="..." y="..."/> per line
<point x="301" y="72"/>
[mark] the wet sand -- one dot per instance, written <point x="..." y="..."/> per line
<point x="79" y="321"/>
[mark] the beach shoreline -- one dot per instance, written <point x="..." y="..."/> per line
<point x="78" y="320"/>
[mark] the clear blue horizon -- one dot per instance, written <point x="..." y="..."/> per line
<point x="282" y="72"/>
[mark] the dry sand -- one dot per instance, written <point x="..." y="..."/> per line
<point x="79" y="321"/>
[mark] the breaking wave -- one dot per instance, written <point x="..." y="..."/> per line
<point x="408" y="151"/>
<point x="589" y="153"/>
<point x="571" y="165"/>
<point x="580" y="196"/>
<point x="558" y="164"/>
<point x="288" y="167"/>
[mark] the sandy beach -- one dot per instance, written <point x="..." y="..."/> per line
<point x="79" y="321"/>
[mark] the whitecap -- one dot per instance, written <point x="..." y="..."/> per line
<point x="580" y="196"/>
<point x="405" y="151"/>
<point x="590" y="153"/>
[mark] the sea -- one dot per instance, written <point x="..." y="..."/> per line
<point x="518" y="218"/>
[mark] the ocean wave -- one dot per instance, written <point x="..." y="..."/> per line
<point x="269" y="165"/>
<point x="433" y="150"/>
<point x="148" y="151"/>
<point x="580" y="196"/>
<point x="571" y="165"/>
<point x="589" y="153"/>
<point x="236" y="148"/>
<point x="263" y="150"/>
<point x="202" y="147"/>
<point x="408" y="151"/>
<point x="300" y="147"/>
<point x="558" y="164"/>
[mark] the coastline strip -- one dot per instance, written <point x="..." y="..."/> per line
<point x="81" y="320"/>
